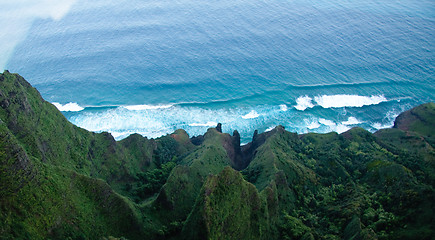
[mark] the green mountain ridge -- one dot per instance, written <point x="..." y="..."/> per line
<point x="59" y="181"/>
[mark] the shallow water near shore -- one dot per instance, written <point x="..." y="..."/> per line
<point x="153" y="67"/>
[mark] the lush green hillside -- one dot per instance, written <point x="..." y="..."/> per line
<point x="59" y="181"/>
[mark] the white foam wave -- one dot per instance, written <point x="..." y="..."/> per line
<point x="250" y="115"/>
<point x="344" y="100"/>
<point x="313" y="125"/>
<point x="332" y="126"/>
<point x="378" y="126"/>
<point x="303" y="103"/>
<point x="156" y="122"/>
<point x="146" y="107"/>
<point x="326" y="122"/>
<point x="389" y="118"/>
<point x="340" y="128"/>
<point x="351" y="121"/>
<point x="69" y="107"/>
<point x="283" y="107"/>
<point x="153" y="123"/>
<point x="208" y="124"/>
<point x="269" y="129"/>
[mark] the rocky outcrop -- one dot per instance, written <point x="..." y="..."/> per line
<point x="418" y="119"/>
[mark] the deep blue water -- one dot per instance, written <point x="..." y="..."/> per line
<point x="311" y="66"/>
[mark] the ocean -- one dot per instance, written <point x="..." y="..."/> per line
<point x="151" y="67"/>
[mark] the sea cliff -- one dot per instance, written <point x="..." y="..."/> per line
<point x="59" y="181"/>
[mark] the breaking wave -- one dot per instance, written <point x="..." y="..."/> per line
<point x="303" y="103"/>
<point x="338" y="101"/>
<point x="156" y="120"/>
<point x="69" y="107"/>
<point x="252" y="114"/>
<point x="343" y="100"/>
<point x="351" y="121"/>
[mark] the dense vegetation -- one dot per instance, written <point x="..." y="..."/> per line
<point x="58" y="181"/>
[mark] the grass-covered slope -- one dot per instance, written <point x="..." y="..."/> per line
<point x="43" y="201"/>
<point x="58" y="181"/>
<point x="227" y="208"/>
<point x="49" y="170"/>
<point x="46" y="135"/>
<point x="177" y="197"/>
<point x="419" y="120"/>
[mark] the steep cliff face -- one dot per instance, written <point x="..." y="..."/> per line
<point x="227" y="208"/>
<point x="40" y="201"/>
<point x="419" y="119"/>
<point x="16" y="169"/>
<point x="49" y="170"/>
<point x="60" y="181"/>
<point x="179" y="193"/>
<point x="46" y="135"/>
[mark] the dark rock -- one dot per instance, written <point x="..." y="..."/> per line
<point x="219" y="127"/>
<point x="236" y="138"/>
<point x="237" y="158"/>
<point x="198" y="140"/>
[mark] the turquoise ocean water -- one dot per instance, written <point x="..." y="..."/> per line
<point x="152" y="67"/>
